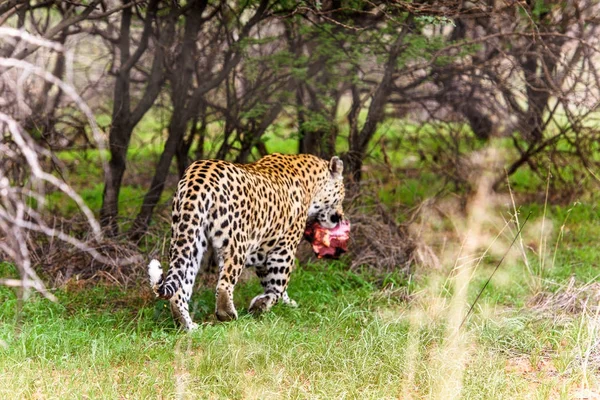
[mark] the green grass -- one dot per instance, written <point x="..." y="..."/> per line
<point x="353" y="336"/>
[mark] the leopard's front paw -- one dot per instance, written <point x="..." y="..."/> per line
<point x="287" y="301"/>
<point x="192" y="327"/>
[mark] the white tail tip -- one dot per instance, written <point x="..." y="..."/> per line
<point x="155" y="272"/>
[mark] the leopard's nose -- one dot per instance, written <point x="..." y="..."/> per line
<point x="335" y="218"/>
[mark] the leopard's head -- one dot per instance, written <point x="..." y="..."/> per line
<point x="326" y="206"/>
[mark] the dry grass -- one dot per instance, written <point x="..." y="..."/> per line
<point x="61" y="263"/>
<point x="570" y="298"/>
<point x="377" y="241"/>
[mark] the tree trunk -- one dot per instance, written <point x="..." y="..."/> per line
<point x="183" y="150"/>
<point x="360" y="140"/>
<point x="201" y="138"/>
<point x="140" y="225"/>
<point x="300" y="116"/>
<point x="120" y="133"/>
<point x="118" y="143"/>
<point x="537" y="98"/>
<point x="181" y="78"/>
<point x="252" y="137"/>
<point x="123" y="119"/>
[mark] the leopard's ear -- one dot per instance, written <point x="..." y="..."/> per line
<point x="336" y="167"/>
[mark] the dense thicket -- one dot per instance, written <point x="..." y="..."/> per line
<point x="229" y="76"/>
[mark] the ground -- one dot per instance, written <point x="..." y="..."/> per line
<point x="357" y="333"/>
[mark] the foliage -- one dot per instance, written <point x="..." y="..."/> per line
<point x="241" y="67"/>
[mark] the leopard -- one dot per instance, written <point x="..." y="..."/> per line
<point x="248" y="215"/>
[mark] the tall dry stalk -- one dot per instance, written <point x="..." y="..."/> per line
<point x="480" y="232"/>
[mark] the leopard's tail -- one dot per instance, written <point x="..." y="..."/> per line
<point x="155" y="272"/>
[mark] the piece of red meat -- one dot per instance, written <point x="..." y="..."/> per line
<point x="328" y="243"/>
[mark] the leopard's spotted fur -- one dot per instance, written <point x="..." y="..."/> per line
<point x="252" y="215"/>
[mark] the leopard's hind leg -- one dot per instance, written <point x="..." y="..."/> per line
<point x="185" y="259"/>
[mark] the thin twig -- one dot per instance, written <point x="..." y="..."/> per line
<point x="494" y="271"/>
